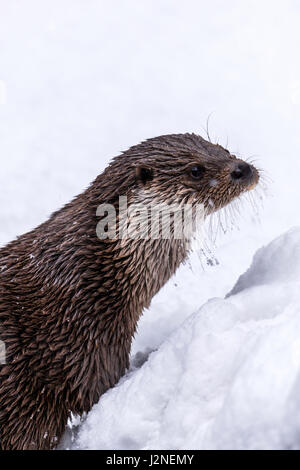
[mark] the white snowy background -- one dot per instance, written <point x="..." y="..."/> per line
<point x="216" y="361"/>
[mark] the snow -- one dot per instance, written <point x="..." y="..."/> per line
<point x="228" y="377"/>
<point x="215" y="362"/>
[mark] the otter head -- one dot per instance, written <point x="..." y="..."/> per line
<point x="185" y="168"/>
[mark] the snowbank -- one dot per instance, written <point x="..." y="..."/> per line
<point x="228" y="377"/>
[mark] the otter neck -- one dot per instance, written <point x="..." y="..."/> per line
<point x="141" y="268"/>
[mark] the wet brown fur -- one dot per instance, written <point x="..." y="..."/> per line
<point x="69" y="303"/>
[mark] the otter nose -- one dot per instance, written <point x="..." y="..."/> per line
<point x="242" y="171"/>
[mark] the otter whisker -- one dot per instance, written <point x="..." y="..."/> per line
<point x="207" y="127"/>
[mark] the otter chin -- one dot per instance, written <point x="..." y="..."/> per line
<point x="70" y="302"/>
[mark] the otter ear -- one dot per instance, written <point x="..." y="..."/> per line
<point x="144" y="173"/>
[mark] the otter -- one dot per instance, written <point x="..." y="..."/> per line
<point x="70" y="302"/>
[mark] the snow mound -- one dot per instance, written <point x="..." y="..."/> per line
<point x="228" y="377"/>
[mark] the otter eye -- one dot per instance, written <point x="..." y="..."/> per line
<point x="144" y="174"/>
<point x="197" y="172"/>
